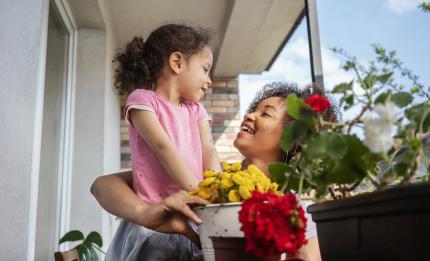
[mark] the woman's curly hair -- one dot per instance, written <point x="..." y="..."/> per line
<point x="283" y="89"/>
<point x="139" y="64"/>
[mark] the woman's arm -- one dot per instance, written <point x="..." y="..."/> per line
<point x="210" y="156"/>
<point x="150" y="129"/>
<point x="114" y="194"/>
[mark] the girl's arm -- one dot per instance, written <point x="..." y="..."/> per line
<point x="210" y="155"/>
<point x="114" y="194"/>
<point x="149" y="128"/>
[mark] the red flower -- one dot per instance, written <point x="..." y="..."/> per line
<point x="272" y="224"/>
<point x="318" y="103"/>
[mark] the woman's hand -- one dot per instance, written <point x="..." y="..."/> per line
<point x="172" y="214"/>
<point x="114" y="194"/>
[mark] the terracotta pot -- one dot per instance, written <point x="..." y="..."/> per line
<point x="232" y="248"/>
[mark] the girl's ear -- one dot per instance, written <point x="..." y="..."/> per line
<point x="176" y="62"/>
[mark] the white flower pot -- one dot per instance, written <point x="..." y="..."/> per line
<point x="219" y="220"/>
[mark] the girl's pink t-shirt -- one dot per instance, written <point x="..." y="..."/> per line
<point x="150" y="181"/>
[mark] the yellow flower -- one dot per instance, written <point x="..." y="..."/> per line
<point x="194" y="192"/>
<point x="225" y="175"/>
<point x="233" y="196"/>
<point x="236" y="166"/>
<point x="250" y="185"/>
<point x="279" y="193"/>
<point x="225" y="166"/>
<point x="255" y="170"/>
<point x="226" y="184"/>
<point x="204" y="194"/>
<point x="215" y="185"/>
<point x="208" y="181"/>
<point x="260" y="188"/>
<point x="274" y="186"/>
<point x="244" y="192"/>
<point x="208" y="173"/>
<point x="238" y="179"/>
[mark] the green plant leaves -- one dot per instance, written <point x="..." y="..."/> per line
<point x="86" y="249"/>
<point x="300" y="110"/>
<point x="384" y="77"/>
<point x="419" y="115"/>
<point x="277" y="171"/>
<point x="293" y="133"/>
<point x="95" y="238"/>
<point x="328" y="144"/>
<point x="342" y="87"/>
<point x="355" y="163"/>
<point x="71" y="236"/>
<point x="402" y="99"/>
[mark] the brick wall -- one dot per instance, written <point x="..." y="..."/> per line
<point x="222" y="103"/>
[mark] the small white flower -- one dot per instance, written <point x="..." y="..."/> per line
<point x="378" y="125"/>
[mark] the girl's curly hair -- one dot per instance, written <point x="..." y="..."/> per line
<point x="139" y="64"/>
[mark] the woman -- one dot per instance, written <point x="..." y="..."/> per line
<point x="258" y="141"/>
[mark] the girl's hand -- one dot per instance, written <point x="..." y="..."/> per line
<point x="171" y="215"/>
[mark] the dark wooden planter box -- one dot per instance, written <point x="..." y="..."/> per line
<point x="233" y="249"/>
<point x="387" y="225"/>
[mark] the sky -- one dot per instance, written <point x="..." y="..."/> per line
<point x="352" y="25"/>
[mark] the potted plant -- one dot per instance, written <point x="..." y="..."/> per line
<point x="86" y="249"/>
<point x="382" y="149"/>
<point x="231" y="231"/>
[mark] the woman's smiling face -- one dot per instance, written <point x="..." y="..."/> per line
<point x="261" y="129"/>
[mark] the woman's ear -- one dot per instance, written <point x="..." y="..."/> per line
<point x="176" y="62"/>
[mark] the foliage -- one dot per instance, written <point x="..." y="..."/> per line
<point x="425" y="6"/>
<point x="332" y="159"/>
<point x="87" y="246"/>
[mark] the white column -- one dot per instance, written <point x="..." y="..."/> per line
<point x="90" y="106"/>
<point x="23" y="30"/>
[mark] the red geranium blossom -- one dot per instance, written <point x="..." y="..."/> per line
<point x="273" y="224"/>
<point x="318" y="103"/>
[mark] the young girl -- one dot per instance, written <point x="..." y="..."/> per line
<point x="170" y="137"/>
<point x="169" y="132"/>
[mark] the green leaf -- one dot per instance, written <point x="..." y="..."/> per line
<point x="343" y="173"/>
<point x="382" y="98"/>
<point x="81" y="249"/>
<point x="71" y="236"/>
<point x="95" y="238"/>
<point x="293" y="133"/>
<point x="94" y="256"/>
<point x="384" y="77"/>
<point x="401" y="168"/>
<point x="342" y="87"/>
<point x="369" y="81"/>
<point x="87" y="254"/>
<point x="402" y="99"/>
<point x="354" y="164"/>
<point x="300" y="110"/>
<point x="277" y="171"/>
<point x="419" y="115"/>
<point x="349" y="101"/>
<point x="294" y="182"/>
<point x="328" y="144"/>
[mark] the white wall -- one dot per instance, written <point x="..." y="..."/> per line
<point x="112" y="137"/>
<point x="88" y="156"/>
<point x="22" y="47"/>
